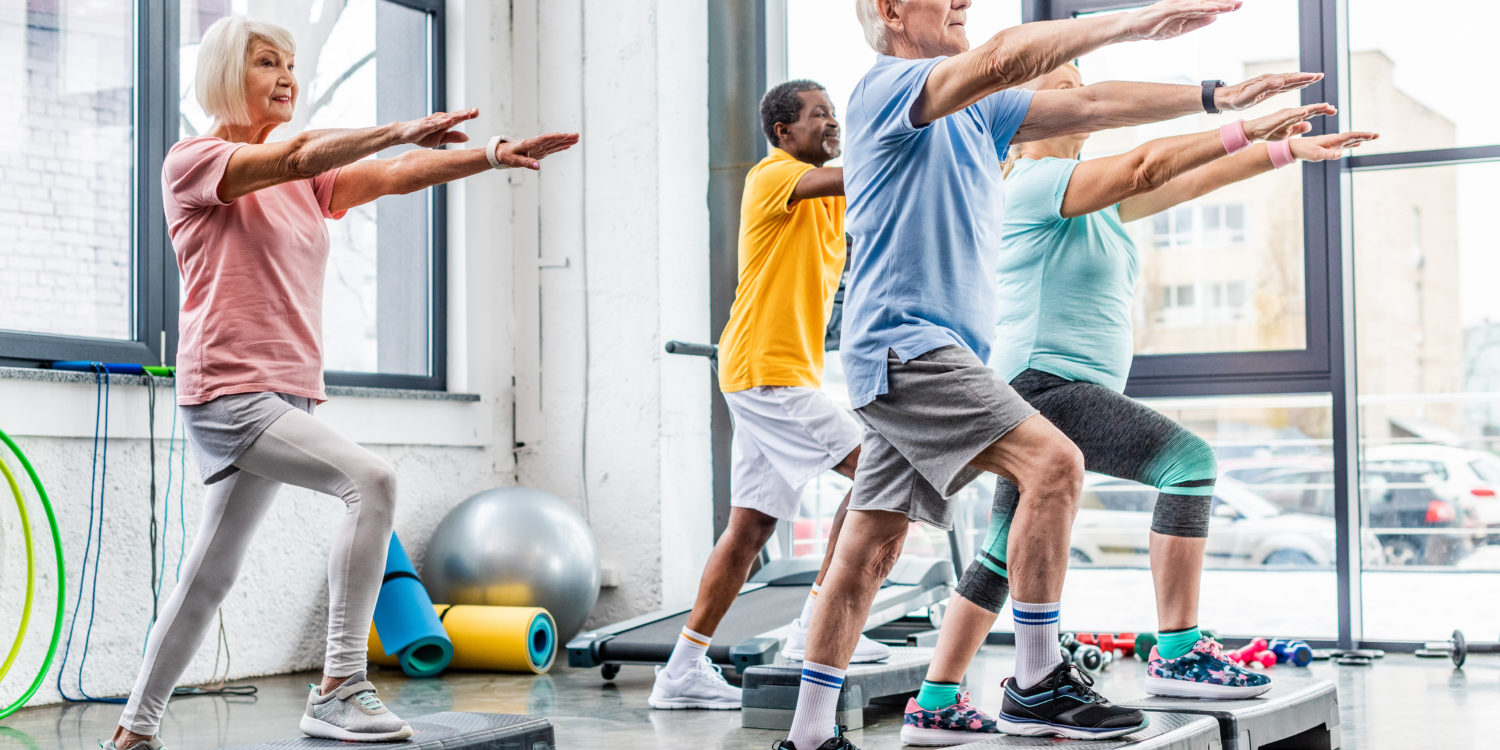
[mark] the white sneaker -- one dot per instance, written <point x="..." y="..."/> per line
<point x="865" y="652"/>
<point x="703" y="686"/>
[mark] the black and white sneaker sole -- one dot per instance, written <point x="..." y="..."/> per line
<point x="1034" y="728"/>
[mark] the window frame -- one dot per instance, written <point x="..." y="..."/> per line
<point x="1254" y="372"/>
<point x="157" y="25"/>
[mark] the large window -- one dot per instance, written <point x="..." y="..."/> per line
<point x="1237" y="253"/>
<point x="68" y="163"/>
<point x="93" y="274"/>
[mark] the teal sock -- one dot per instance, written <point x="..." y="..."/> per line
<point x="1172" y="644"/>
<point x="937" y="695"/>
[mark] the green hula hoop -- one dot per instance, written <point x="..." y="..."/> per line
<point x="15" y="646"/>
<point x="57" y="551"/>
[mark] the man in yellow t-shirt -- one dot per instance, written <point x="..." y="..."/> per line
<point x="786" y="431"/>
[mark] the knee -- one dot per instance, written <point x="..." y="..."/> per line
<point x="749" y="531"/>
<point x="1060" y="471"/>
<point x="874" y="560"/>
<point x="374" y="486"/>
<point x="984" y="587"/>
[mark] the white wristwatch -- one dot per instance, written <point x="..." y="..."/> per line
<point x="491" y="147"/>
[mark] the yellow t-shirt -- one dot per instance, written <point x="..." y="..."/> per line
<point x="791" y="256"/>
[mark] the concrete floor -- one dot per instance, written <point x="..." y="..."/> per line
<point x="1400" y="703"/>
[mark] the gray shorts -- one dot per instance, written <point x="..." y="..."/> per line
<point x="223" y="428"/>
<point x="941" y="410"/>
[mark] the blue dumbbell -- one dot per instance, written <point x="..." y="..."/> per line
<point x="1298" y="653"/>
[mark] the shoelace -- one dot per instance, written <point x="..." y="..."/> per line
<point x="1072" y="674"/>
<point x="1214" y="648"/>
<point x="838" y="734"/>
<point x="369" y="700"/>
<point x="963" y="700"/>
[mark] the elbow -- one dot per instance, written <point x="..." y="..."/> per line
<point x="1008" y="63"/>
<point x="1147" y="174"/>
<point x="298" y="163"/>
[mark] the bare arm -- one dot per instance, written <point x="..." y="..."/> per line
<point x="364" y="181"/>
<point x="1099" y="183"/>
<point x="819" y="183"/>
<point x="1021" y="53"/>
<point x="1117" y="104"/>
<point x="257" y="166"/>
<point x="1231" y="169"/>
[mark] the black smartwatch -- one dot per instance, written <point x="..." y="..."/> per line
<point x="1208" y="96"/>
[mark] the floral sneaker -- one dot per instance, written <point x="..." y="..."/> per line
<point x="1202" y="673"/>
<point x="954" y="725"/>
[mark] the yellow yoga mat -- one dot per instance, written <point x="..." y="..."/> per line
<point x="501" y="639"/>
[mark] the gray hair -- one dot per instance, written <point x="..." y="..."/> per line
<point x="868" y="12"/>
<point x="221" y="64"/>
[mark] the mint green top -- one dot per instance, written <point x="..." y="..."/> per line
<point x="1065" y="285"/>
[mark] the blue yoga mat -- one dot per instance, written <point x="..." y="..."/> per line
<point x="405" y="622"/>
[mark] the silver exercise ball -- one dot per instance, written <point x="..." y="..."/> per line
<point x="515" y="547"/>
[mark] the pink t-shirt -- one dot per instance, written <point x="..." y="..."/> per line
<point x="252" y="275"/>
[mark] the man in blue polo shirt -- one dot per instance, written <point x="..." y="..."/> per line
<point x="928" y="127"/>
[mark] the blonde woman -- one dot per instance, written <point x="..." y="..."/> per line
<point x="246" y="218"/>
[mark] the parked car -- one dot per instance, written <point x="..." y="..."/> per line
<point x="1245" y="530"/>
<point x="1402" y="508"/>
<point x="1468" y="479"/>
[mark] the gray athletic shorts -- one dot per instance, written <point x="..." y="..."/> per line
<point x="222" y="429"/>
<point x="941" y="409"/>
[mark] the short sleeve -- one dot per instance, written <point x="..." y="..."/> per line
<point x="1035" y="190"/>
<point x="1004" y="111"/>
<point x="323" y="190"/>
<point x="888" y="93"/>
<point x="193" y="168"/>
<point x="770" y="187"/>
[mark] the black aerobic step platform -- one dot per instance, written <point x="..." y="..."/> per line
<point x="447" y="731"/>
<point x="769" y="692"/>
<point x="1167" y="732"/>
<point x="1297" y="712"/>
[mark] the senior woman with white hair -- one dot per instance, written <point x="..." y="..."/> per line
<point x="246" y="218"/>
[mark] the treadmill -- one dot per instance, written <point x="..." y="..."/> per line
<point x="752" y="633"/>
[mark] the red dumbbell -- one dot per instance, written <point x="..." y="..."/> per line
<point x="1088" y="639"/>
<point x="1253" y="653"/>
<point x="1124" y="643"/>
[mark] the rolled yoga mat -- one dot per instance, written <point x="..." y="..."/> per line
<point x="495" y="639"/>
<point x="502" y="639"/>
<point x="405" y="622"/>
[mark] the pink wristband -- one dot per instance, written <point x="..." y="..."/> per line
<point x="1233" y="135"/>
<point x="1281" y="153"/>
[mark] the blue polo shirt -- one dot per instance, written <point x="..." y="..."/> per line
<point x="925" y="206"/>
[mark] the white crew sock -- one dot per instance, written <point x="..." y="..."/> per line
<point x="689" y="649"/>
<point x="817" y="704"/>
<point x="1037" y="652"/>
<point x="807" y="607"/>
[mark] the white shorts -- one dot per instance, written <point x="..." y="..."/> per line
<point x="783" y="437"/>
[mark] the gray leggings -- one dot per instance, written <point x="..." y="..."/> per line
<point x="1118" y="436"/>
<point x="297" y="450"/>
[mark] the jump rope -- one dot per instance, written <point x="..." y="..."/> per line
<point x="94" y="541"/>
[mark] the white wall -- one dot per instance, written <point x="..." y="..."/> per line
<point x="620" y="228"/>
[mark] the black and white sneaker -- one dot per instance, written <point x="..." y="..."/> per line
<point x="1064" y="704"/>
<point x="837" y="742"/>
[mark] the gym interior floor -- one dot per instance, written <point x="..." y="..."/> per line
<point x="1398" y="702"/>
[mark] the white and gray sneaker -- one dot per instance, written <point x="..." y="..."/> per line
<point x="352" y="713"/>
<point x="154" y="743"/>
<point x="865" y="651"/>
<point x="703" y="686"/>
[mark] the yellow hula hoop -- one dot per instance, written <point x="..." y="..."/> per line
<point x="15" y="648"/>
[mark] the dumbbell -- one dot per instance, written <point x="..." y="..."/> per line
<point x="1144" y="642"/>
<point x="1455" y="648"/>
<point x="1080" y="649"/>
<point x="1290" y="651"/>
<point x="1252" y="654"/>
<point x="1124" y="643"/>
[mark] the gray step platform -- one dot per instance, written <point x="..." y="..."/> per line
<point x="1298" y="713"/>
<point x="449" y="731"/>
<point x="1167" y="732"/>
<point x="769" y="697"/>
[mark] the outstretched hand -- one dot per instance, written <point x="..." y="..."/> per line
<point x="1173" y="18"/>
<point x="527" y="154"/>
<point x="1331" y="146"/>
<point x="1260" y="88"/>
<point x="1286" y="123"/>
<point x="435" y="129"/>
